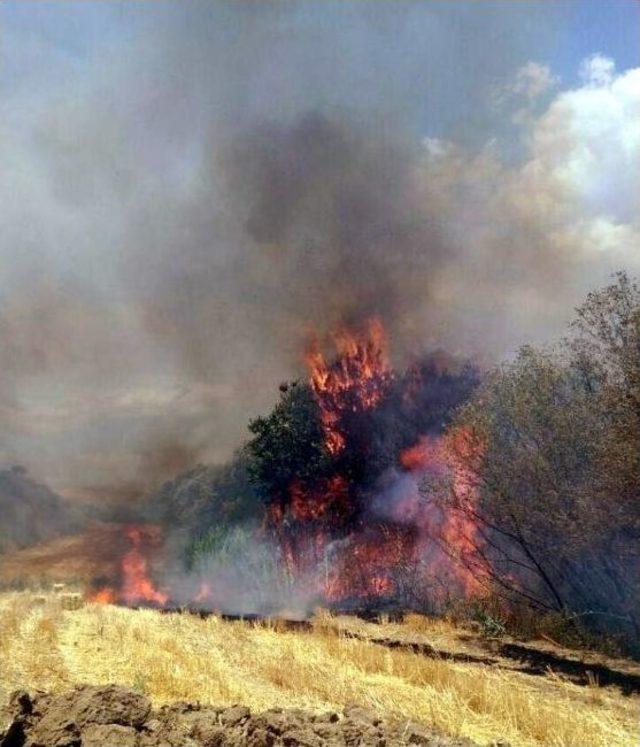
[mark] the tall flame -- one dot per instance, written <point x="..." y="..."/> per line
<point x="368" y="563"/>
<point x="451" y="524"/>
<point x="136" y="585"/>
<point x="356" y="380"/>
<point x="412" y="529"/>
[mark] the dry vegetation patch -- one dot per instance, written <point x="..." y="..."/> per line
<point x="173" y="657"/>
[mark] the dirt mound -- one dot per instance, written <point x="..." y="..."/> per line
<point x="114" y="716"/>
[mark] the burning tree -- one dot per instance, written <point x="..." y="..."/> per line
<point x="366" y="484"/>
<point x="333" y="463"/>
<point x="336" y="468"/>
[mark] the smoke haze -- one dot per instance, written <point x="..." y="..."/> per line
<point x="191" y="189"/>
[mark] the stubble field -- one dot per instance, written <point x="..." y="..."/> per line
<point x="332" y="663"/>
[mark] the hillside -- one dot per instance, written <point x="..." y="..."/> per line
<point x="31" y="512"/>
<point x="77" y="557"/>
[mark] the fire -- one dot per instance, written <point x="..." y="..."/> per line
<point x="313" y="504"/>
<point x="462" y="530"/>
<point x="136" y="586"/>
<point x="343" y="543"/>
<point x="106" y="595"/>
<point x="424" y="454"/>
<point x="205" y="593"/>
<point x="356" y="380"/>
<point x="366" y="564"/>
<point x="451" y="524"/>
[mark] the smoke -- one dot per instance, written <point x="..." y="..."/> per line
<point x="339" y="230"/>
<point x="246" y="575"/>
<point x="189" y="196"/>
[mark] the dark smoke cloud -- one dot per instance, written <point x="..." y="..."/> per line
<point x="334" y="211"/>
<point x="187" y="197"/>
<point x="319" y="222"/>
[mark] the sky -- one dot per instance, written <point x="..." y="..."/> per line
<point x="189" y="190"/>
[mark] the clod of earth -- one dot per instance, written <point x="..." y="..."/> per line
<point x="114" y="716"/>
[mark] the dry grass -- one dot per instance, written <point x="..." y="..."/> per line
<point x="175" y="657"/>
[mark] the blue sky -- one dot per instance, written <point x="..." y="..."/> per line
<point x="609" y="27"/>
<point x="582" y="26"/>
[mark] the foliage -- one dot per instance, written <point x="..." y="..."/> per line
<point x="608" y="349"/>
<point x="210" y="495"/>
<point x="287" y="443"/>
<point x="559" y="479"/>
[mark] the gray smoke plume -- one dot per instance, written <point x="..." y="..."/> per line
<point x="194" y="190"/>
<point x="339" y="231"/>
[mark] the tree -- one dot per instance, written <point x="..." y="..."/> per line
<point x="559" y="476"/>
<point x="205" y="498"/>
<point x="288" y="443"/>
<point x="608" y="347"/>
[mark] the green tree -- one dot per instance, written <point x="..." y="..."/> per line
<point x="288" y="443"/>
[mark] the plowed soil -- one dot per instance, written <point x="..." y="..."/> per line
<point x="114" y="716"/>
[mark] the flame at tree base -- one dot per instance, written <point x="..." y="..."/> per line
<point x="343" y="539"/>
<point x="388" y="517"/>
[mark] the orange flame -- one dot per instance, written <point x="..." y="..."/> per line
<point x="136" y="586"/>
<point x="356" y="380"/>
<point x="424" y="454"/>
<point x="463" y="451"/>
<point x="105" y="595"/>
<point x="365" y="567"/>
<point x="205" y="593"/>
<point x="313" y="504"/>
<point x="453" y="525"/>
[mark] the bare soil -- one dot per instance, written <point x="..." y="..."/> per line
<point x="114" y="716"/>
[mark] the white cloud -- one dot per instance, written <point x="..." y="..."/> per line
<point x="597" y="70"/>
<point x="523" y="93"/>
<point x="532" y="80"/>
<point x="588" y="144"/>
<point x="537" y="235"/>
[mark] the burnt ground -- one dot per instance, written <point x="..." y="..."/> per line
<point x="582" y="669"/>
<point x="529" y="659"/>
<point x="534" y="658"/>
<point x="114" y="716"/>
<point x="537" y="658"/>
